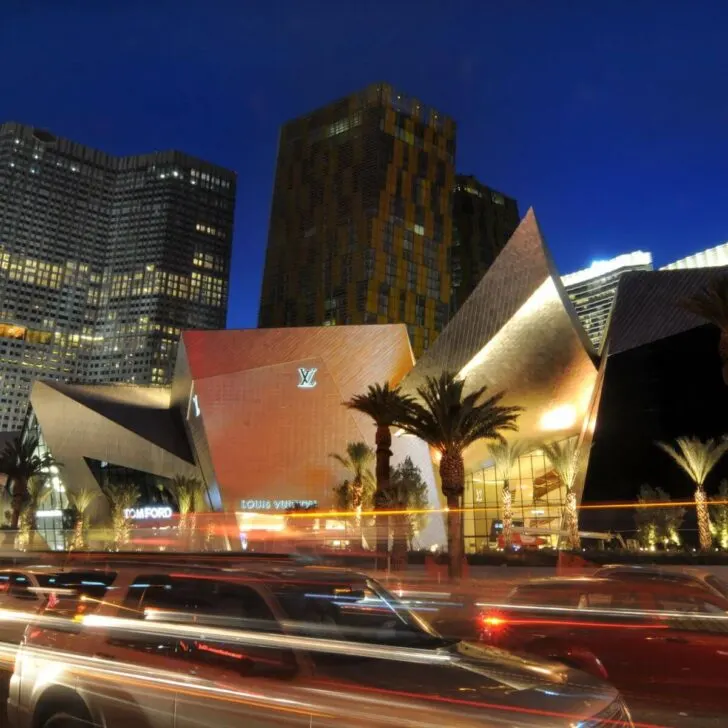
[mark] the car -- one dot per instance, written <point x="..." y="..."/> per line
<point x="650" y="638"/>
<point x="177" y="648"/>
<point x="700" y="578"/>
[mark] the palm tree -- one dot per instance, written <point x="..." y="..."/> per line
<point x="121" y="498"/>
<point x="562" y="457"/>
<point x="387" y="406"/>
<point x="20" y="462"/>
<point x="697" y="459"/>
<point x="189" y="492"/>
<point x="26" y="523"/>
<point x="81" y="501"/>
<point x="505" y="455"/>
<point x="449" y="421"/>
<point x="711" y="304"/>
<point x="358" y="459"/>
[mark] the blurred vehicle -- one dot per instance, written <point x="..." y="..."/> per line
<point x="648" y="637"/>
<point x="181" y="648"/>
<point x="698" y="578"/>
<point x="22" y="590"/>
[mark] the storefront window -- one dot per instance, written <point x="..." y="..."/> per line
<point x="538" y="501"/>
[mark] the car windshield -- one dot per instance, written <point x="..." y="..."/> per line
<point x="362" y="611"/>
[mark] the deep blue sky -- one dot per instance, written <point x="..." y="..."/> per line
<point x="609" y="118"/>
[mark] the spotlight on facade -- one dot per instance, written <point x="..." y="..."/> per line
<point x="559" y="418"/>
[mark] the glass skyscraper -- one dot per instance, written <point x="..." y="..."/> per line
<point x="103" y="261"/>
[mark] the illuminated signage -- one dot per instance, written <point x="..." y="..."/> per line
<point x="196" y="405"/>
<point x="147" y="512"/>
<point x="54" y="513"/>
<point x="307" y="378"/>
<point x="276" y="505"/>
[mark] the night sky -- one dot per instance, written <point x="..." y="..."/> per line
<point x="609" y="118"/>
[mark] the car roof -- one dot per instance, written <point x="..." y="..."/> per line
<point x="658" y="570"/>
<point x="270" y="571"/>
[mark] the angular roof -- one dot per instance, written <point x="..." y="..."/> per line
<point x="518" y="333"/>
<point x="144" y="411"/>
<point x="648" y="306"/>
<point x="521" y="268"/>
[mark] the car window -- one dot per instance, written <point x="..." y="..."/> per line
<point x="75" y="593"/>
<point x="687" y="603"/>
<point x="609" y="600"/>
<point x="359" y="610"/>
<point x="545" y="595"/>
<point x="203" y="601"/>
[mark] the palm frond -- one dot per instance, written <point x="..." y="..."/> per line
<point x="450" y="420"/>
<point x="122" y="496"/>
<point x="82" y="499"/>
<point x="357" y="459"/>
<point x="189" y="492"/>
<point x="695" y="457"/>
<point x="562" y="457"/>
<point x="384" y="404"/>
<point x="505" y="455"/>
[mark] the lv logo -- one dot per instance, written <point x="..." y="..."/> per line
<point x="307" y="378"/>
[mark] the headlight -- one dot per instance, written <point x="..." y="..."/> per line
<point x="615" y="716"/>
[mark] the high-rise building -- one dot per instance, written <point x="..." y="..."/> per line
<point x="361" y="221"/>
<point x="715" y="257"/>
<point x="592" y="290"/>
<point x="483" y="222"/>
<point x="103" y="261"/>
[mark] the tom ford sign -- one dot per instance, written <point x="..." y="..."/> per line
<point x="276" y="505"/>
<point x="148" y="512"/>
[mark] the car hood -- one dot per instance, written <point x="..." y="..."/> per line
<point x="507" y="687"/>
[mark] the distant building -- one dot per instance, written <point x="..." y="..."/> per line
<point x="484" y="220"/>
<point x="593" y="289"/>
<point x="103" y="261"/>
<point x="710" y="258"/>
<point x="361" y="220"/>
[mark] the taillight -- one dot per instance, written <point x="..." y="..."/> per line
<point x="492" y="626"/>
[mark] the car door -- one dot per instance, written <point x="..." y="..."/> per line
<point x="609" y="625"/>
<point x="692" y="647"/>
<point x="130" y="680"/>
<point x="218" y="683"/>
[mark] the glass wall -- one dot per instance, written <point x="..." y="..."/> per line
<point x="53" y="516"/>
<point x="538" y="502"/>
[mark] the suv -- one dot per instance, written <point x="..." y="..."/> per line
<point x="155" y="648"/>
<point x="648" y="637"/>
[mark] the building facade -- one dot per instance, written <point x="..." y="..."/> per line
<point x="483" y="222"/>
<point x="714" y="257"/>
<point x="103" y="261"/>
<point x="361" y="219"/>
<point x="593" y="289"/>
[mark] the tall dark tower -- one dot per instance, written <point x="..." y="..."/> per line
<point x="361" y="222"/>
<point x="484" y="221"/>
<point x="103" y="260"/>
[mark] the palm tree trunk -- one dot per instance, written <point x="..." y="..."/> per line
<point x="723" y="352"/>
<point x="571" y="519"/>
<point x="20" y="491"/>
<point x="701" y="506"/>
<point x="507" y="515"/>
<point x="383" y="441"/>
<point x="399" y="541"/>
<point x="452" y="475"/>
<point x="77" y="542"/>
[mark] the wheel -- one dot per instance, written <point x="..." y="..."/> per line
<point x="67" y="720"/>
